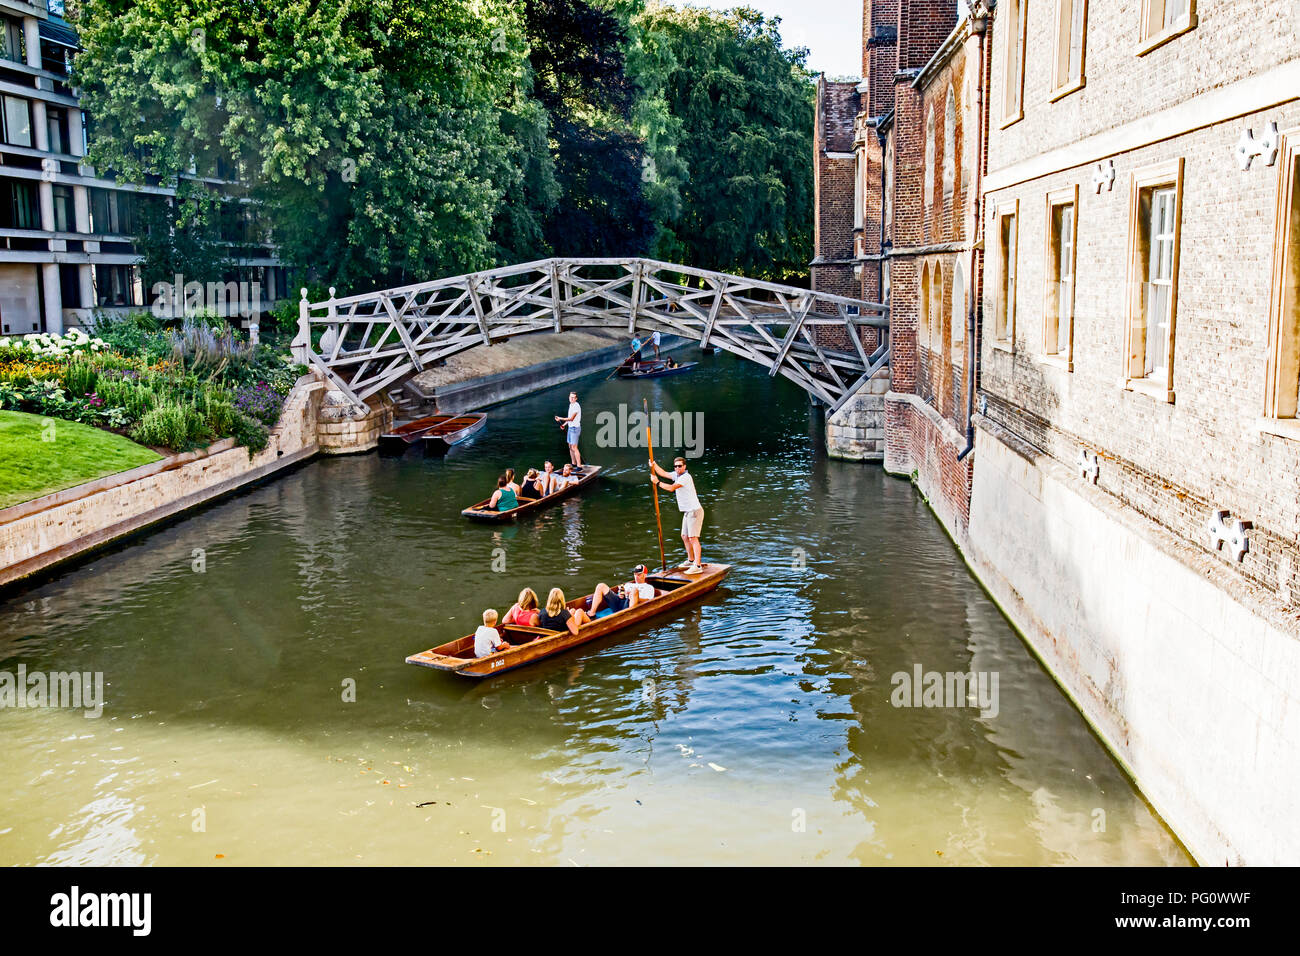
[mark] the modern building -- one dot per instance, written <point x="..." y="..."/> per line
<point x="66" y="232"/>
<point x="1089" y="237"/>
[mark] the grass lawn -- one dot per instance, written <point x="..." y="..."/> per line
<point x="30" y="467"/>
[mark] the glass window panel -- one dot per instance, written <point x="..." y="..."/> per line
<point x="18" y="122"/>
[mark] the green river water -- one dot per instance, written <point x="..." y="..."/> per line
<point x="754" y="727"/>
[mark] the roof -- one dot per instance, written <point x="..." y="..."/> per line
<point x="837" y="108"/>
<point x="57" y="31"/>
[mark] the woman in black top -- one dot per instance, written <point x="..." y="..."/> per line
<point x="556" y="617"/>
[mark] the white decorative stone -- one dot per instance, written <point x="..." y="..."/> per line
<point x="1265" y="147"/>
<point x="1104" y="175"/>
<point x="1232" y="533"/>
<point x="1238" y="543"/>
<point x="1089" y="466"/>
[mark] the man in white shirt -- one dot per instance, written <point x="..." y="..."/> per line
<point x="688" y="502"/>
<point x="655" y="339"/>
<point x="572" y="424"/>
<point x="606" y="600"/>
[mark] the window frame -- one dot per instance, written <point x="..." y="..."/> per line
<point x="1066" y="196"/>
<point x="1150" y="179"/>
<point x="1279" y="351"/>
<point x="923" y="316"/>
<point x="957" y="332"/>
<point x="1063" y="82"/>
<point x="1152" y="37"/>
<point x="1016" y="83"/>
<point x="1004" y="310"/>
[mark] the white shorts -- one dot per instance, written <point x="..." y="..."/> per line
<point x="692" y="522"/>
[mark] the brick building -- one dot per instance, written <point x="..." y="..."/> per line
<point x="1109" y="194"/>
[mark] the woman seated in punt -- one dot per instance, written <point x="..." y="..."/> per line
<point x="523" y="613"/>
<point x="557" y="617"/>
<point x="534" y="486"/>
<point x="503" y="499"/>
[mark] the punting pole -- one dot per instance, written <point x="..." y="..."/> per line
<point x="654" y="483"/>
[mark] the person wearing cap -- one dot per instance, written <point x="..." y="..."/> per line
<point x="688" y="502"/>
<point x="606" y="600"/>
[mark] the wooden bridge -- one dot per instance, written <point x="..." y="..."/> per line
<point x="376" y="340"/>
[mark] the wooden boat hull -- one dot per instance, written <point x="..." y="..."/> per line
<point x="452" y="432"/>
<point x="404" y="436"/>
<point x="661" y="372"/>
<point x="673" y="589"/>
<point x="481" y="511"/>
<point x="640" y="366"/>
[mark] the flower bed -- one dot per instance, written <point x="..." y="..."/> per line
<point x="175" y="388"/>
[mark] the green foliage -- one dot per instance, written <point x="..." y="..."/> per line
<point x="392" y="141"/>
<point x="729" y="114"/>
<point x="369" y="127"/>
<point x="80" y="376"/>
<point x="177" y="425"/>
<point x="135" y="334"/>
<point x="250" y="433"/>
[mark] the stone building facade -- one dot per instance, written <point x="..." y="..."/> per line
<point x="1109" y="192"/>
<point x="1142" y="240"/>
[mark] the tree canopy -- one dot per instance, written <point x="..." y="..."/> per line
<point x="390" y="141"/>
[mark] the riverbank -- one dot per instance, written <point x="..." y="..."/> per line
<point x="39" y="534"/>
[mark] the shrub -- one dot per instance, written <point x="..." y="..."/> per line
<point x="261" y="402"/>
<point x="218" y="412"/>
<point x="175" y="425"/>
<point x="250" y="433"/>
<point x="79" y="377"/>
<point x="131" y="394"/>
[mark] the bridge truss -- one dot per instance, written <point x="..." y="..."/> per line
<point x="369" y="342"/>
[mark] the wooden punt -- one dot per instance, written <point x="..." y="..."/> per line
<point x="452" y="432"/>
<point x="634" y="364"/>
<point x="481" y="511"/>
<point x="403" y="436"/>
<point x="529" y="644"/>
<point x="658" y="371"/>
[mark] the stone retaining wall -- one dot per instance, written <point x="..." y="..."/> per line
<point x="38" y="534"/>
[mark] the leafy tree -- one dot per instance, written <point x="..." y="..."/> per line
<point x="371" y="128"/>
<point x="179" y="235"/>
<point x="577" y="51"/>
<point x="729" y="113"/>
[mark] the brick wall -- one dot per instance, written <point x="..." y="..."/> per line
<point x="1169" y="462"/>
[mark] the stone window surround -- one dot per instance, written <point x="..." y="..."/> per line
<point x="1066" y="196"/>
<point x="1144" y="179"/>
<point x="1276" y="421"/>
<point x="1015" y="83"/>
<point x="1000" y="210"/>
<point x="1063" y="84"/>
<point x="1151" y="39"/>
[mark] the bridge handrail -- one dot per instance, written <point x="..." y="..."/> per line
<point x="544" y="265"/>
